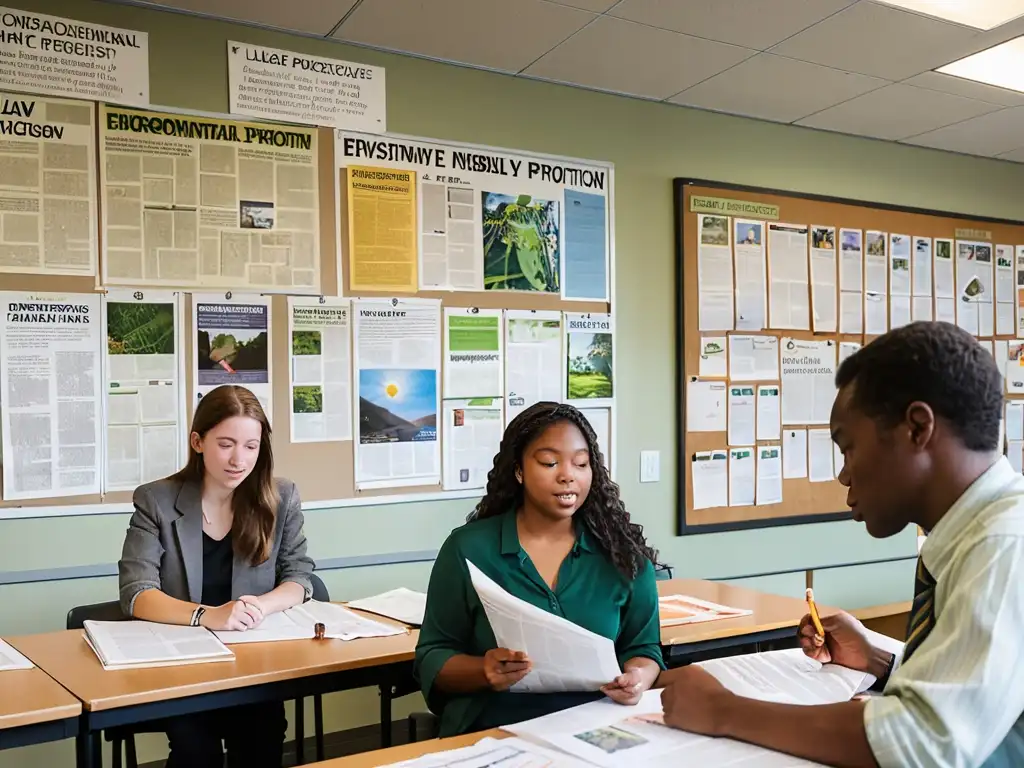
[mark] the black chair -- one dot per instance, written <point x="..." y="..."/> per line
<point x="662" y="572"/>
<point x="320" y="594"/>
<point x="121" y="737"/>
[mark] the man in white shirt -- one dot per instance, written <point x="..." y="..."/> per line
<point x="917" y="417"/>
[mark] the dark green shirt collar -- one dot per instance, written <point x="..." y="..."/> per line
<point x="510" y="538"/>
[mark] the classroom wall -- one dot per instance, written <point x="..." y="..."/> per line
<point x="649" y="144"/>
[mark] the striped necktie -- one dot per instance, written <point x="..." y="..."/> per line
<point x="922" y="614"/>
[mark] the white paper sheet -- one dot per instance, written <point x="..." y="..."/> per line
<point x="1004" y="319"/>
<point x="788" y="294"/>
<point x="742" y="414"/>
<point x="10" y="659"/>
<point x="851" y="312"/>
<point x="945" y="284"/>
<point x="494" y="753"/>
<point x="1014" y="420"/>
<point x="808" y="381"/>
<point x="751" y="275"/>
<point x="397" y="397"/>
<point x="847" y="348"/>
<point x="769" y="475"/>
<point x="769" y="418"/>
<point x="675" y="610"/>
<point x="706" y="406"/>
<point x="794" y="454"/>
<point x="876" y="262"/>
<point x="1015" y="367"/>
<point x="472" y="353"/>
<point x="298" y="623"/>
<point x="1004" y="274"/>
<point x="714" y="357"/>
<point x="899" y="265"/>
<point x="823" y="278"/>
<point x="402" y="604"/>
<point x="753" y="358"/>
<point x="876" y="321"/>
<point x="533" y="359"/>
<point x="710" y="479"/>
<point x="945" y="310"/>
<point x="922" y="269"/>
<point x="564" y="655"/>
<point x="851" y="260"/>
<point x="819" y="452"/>
<point x="320" y="368"/>
<point x="471" y="433"/>
<point x="742" y="466"/>
<point x="921" y="308"/>
<point x="714" y="274"/>
<point x="1015" y="454"/>
<point x="899" y="311"/>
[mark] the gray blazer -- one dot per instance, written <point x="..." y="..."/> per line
<point x="163" y="548"/>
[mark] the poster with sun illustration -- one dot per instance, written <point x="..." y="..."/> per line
<point x="397" y="405"/>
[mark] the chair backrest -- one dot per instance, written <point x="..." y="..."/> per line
<point x="663" y="572"/>
<point x="319" y="589"/>
<point x="96" y="612"/>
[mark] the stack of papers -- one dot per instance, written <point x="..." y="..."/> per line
<point x="11" y="659"/>
<point x="565" y="656"/>
<point x="401" y="604"/>
<point x="298" y="623"/>
<point x="138" y="644"/>
<point x="606" y="734"/>
<point x="494" y="753"/>
<point x="682" y="609"/>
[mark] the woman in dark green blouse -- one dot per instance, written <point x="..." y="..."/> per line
<point x="551" y="530"/>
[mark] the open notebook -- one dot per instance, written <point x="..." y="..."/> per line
<point x="682" y="609"/>
<point x="140" y="644"/>
<point x="402" y="604"/>
<point x="298" y="624"/>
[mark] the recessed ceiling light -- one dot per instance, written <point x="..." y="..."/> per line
<point x="1001" y="65"/>
<point x="980" y="14"/>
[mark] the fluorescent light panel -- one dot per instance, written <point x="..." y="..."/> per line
<point x="1001" y="65"/>
<point x="980" y="14"/>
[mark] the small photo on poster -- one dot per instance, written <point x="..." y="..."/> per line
<point x="255" y="215"/>
<point x="590" y="366"/>
<point x="522" y="244"/>
<point x="397" y="405"/>
<point x="232" y="355"/>
<point x="851" y="239"/>
<point x="748" y="233"/>
<point x="823" y="238"/>
<point x="307" y="399"/>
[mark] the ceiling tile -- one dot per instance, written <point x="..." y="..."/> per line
<point x="1016" y="156"/>
<point x="752" y="88"/>
<point x="316" y="17"/>
<point x="896" y="112"/>
<point x="758" y="25"/>
<point x="878" y="40"/>
<point x="623" y="57"/>
<point x="597" y="6"/>
<point x="968" y="88"/>
<point x="484" y="33"/>
<point x="988" y="135"/>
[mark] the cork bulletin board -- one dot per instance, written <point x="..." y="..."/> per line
<point x="804" y="501"/>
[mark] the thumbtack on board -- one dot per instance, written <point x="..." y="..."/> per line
<point x="137" y="296"/>
<point x="830" y="343"/>
<point x="474" y="310"/>
<point x="693" y="378"/>
<point x="322" y="299"/>
<point x="227" y="296"/>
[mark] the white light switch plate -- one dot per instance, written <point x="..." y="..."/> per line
<point x="650" y="466"/>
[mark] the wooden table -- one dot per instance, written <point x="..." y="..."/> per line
<point x="278" y="671"/>
<point x="773" y="618"/>
<point x="34" y="709"/>
<point x="384" y="757"/>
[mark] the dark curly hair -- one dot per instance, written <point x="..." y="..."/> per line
<point x="935" y="363"/>
<point x="603" y="515"/>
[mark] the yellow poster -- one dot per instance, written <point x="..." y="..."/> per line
<point x="382" y="230"/>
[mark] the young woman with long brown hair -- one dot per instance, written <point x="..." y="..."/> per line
<point x="219" y="545"/>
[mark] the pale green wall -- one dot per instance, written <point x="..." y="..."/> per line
<point x="650" y="144"/>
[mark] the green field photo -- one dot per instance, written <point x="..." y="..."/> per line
<point x="307" y="399"/>
<point x="590" y="366"/>
<point x="140" y="329"/>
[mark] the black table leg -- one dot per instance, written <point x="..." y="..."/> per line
<point x="385" y="715"/>
<point x="300" y="731"/>
<point x="88" y="749"/>
<point x="318" y="725"/>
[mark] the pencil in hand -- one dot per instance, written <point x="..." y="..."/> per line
<point x="814" y="613"/>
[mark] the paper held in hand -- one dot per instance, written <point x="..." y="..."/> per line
<point x="10" y="659"/>
<point x="565" y="656"/>
<point x="494" y="753"/>
<point x="141" y="644"/>
<point x="683" y="609"/>
<point x="402" y="604"/>
<point x="298" y="623"/>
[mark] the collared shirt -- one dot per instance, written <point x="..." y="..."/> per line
<point x="590" y="591"/>
<point x="958" y="701"/>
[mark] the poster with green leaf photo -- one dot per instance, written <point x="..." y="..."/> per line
<point x="522" y="246"/>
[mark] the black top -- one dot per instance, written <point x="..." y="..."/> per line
<point x="218" y="557"/>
